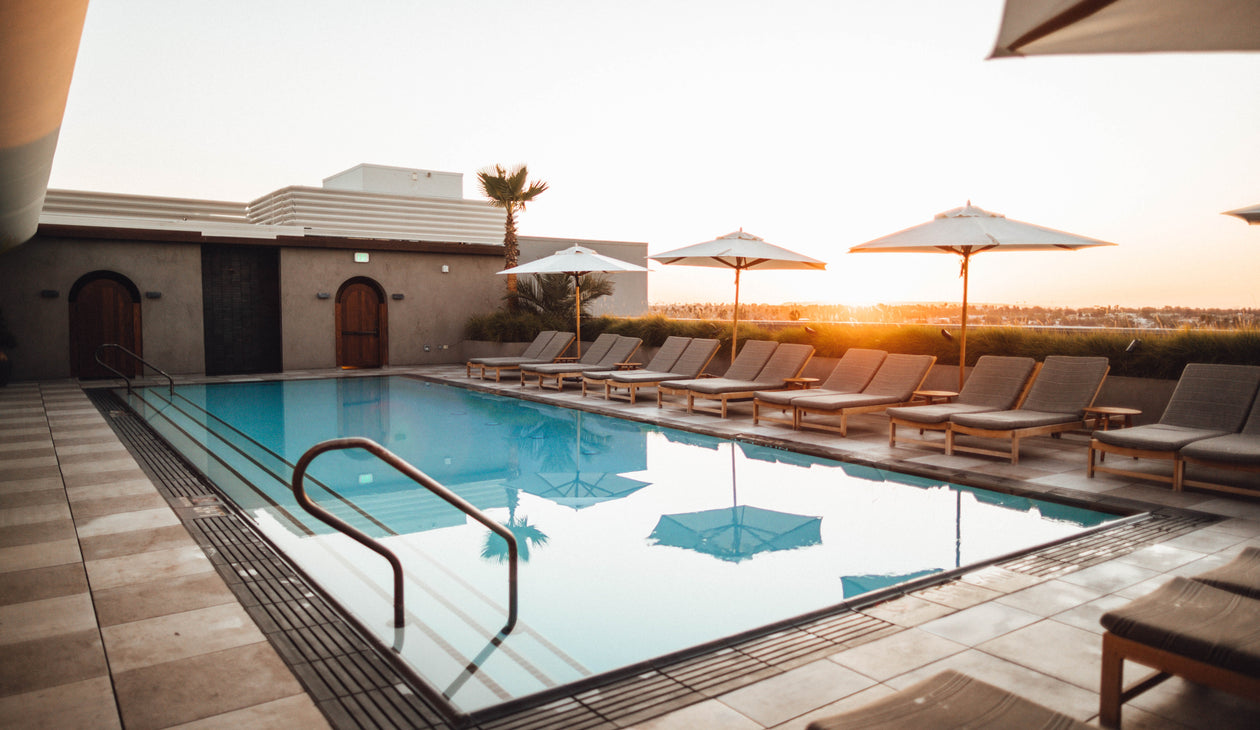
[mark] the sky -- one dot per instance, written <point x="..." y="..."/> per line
<point x="815" y="125"/>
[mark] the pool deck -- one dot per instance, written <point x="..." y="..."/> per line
<point x="111" y="615"/>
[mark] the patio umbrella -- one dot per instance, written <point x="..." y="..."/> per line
<point x="970" y="230"/>
<point x="1251" y="215"/>
<point x="1035" y="27"/>
<point x="575" y="261"/>
<point x="738" y="251"/>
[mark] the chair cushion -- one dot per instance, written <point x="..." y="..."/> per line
<point x="843" y="400"/>
<point x="1234" y="448"/>
<point x="854" y="370"/>
<point x="1195" y="620"/>
<point x="899" y="375"/>
<point x="639" y="376"/>
<point x="1241" y="575"/>
<point x="950" y="700"/>
<point x="938" y="413"/>
<point x="717" y="386"/>
<point x="996" y="381"/>
<point x="1154" y="437"/>
<point x="1066" y="384"/>
<point x="1213" y="397"/>
<point x="1012" y="420"/>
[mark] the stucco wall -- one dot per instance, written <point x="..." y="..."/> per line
<point x="170" y="326"/>
<point x="432" y="312"/>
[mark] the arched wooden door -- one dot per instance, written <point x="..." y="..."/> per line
<point x="362" y="337"/>
<point x="104" y="308"/>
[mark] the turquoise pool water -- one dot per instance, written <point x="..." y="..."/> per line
<point x="638" y="541"/>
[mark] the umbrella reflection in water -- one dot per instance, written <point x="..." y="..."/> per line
<point x="737" y="532"/>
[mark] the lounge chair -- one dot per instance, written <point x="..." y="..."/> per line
<point x="893" y="385"/>
<point x="1236" y="452"/>
<point x="751" y="359"/>
<point x="691" y="364"/>
<point x="786" y="362"/>
<point x="950" y="700"/>
<point x="618" y="350"/>
<point x="1210" y="400"/>
<point x="549" y="352"/>
<point x="1064" y="388"/>
<point x="662" y="361"/>
<point x="996" y="383"/>
<point x="851" y="374"/>
<point x="530" y="353"/>
<point x="1186" y="628"/>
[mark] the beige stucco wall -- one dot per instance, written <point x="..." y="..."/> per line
<point x="170" y="326"/>
<point x="432" y="312"/>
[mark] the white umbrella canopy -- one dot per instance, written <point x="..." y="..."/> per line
<point x="971" y="230"/>
<point x="738" y="251"/>
<point x="1036" y="27"/>
<point x="575" y="261"/>
<point x="1251" y="215"/>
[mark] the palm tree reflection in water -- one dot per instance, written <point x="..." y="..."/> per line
<point x="527" y="535"/>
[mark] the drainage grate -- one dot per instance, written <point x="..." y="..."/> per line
<point x="357" y="687"/>
<point x="1102" y="546"/>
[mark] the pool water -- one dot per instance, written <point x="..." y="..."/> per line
<point x="636" y="541"/>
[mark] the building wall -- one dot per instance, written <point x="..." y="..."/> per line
<point x="170" y="326"/>
<point x="432" y="312"/>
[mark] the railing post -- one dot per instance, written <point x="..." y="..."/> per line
<point x="423" y="480"/>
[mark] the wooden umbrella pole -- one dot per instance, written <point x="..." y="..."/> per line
<point x="735" y="317"/>
<point x="577" y="301"/>
<point x="962" y="346"/>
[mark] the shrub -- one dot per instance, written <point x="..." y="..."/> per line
<point x="1157" y="355"/>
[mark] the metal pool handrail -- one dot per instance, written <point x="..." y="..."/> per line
<point x="423" y="480"/>
<point x="97" y="355"/>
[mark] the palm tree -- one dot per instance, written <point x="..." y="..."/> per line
<point x="507" y="189"/>
<point x="551" y="296"/>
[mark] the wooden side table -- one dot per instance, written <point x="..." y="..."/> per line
<point x="1105" y="416"/>
<point x="801" y="383"/>
<point x="935" y="396"/>
<point x="628" y="365"/>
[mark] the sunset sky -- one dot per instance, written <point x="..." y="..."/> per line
<point x="816" y="125"/>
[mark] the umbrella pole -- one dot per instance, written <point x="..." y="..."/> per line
<point x="962" y="344"/>
<point x="735" y="318"/>
<point x="577" y="294"/>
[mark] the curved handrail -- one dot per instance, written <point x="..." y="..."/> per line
<point x="424" y="480"/>
<point x="97" y="355"/>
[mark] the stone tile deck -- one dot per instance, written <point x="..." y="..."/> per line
<point x="111" y="616"/>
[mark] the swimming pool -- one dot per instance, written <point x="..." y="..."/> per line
<point x="640" y="541"/>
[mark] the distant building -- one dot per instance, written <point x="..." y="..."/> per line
<point x="382" y="265"/>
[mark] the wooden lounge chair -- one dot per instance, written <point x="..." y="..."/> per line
<point x="786" y="362"/>
<point x="751" y="359"/>
<point x="620" y="349"/>
<point x="690" y="364"/>
<point x="1185" y="628"/>
<point x="1240" y="575"/>
<point x="946" y="701"/>
<point x="1236" y="452"/>
<point x="893" y="385"/>
<point x="1064" y="388"/>
<point x="531" y="353"/>
<point x="851" y="374"/>
<point x="551" y="352"/>
<point x="662" y="361"/>
<point x="1210" y="400"/>
<point x="996" y="383"/>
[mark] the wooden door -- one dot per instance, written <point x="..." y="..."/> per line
<point x="361" y="335"/>
<point x="103" y="310"/>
